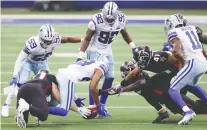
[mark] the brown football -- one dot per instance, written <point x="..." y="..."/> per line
<point x="94" y="112"/>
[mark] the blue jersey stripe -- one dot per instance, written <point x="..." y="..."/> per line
<point x="172" y="37"/>
<point x="172" y="33"/>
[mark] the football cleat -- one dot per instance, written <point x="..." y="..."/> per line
<point x="161" y="117"/>
<point x="5" y="110"/>
<point x="20" y="120"/>
<point x="188" y="116"/>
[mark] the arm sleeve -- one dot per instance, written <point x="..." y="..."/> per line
<point x="18" y="64"/>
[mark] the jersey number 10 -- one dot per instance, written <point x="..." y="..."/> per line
<point x="196" y="44"/>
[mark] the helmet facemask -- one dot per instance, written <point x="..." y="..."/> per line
<point x="110" y="12"/>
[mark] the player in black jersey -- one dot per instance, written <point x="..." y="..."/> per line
<point x="31" y="97"/>
<point x="142" y="81"/>
<point x="164" y="64"/>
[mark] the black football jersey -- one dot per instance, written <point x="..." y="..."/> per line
<point x="45" y="80"/>
<point x="159" y="63"/>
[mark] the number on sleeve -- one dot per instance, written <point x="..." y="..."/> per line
<point x="99" y="18"/>
<point x="32" y="43"/>
<point x="121" y="18"/>
<point x="195" y="42"/>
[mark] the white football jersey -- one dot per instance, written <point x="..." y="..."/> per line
<point x="105" y="33"/>
<point x="36" y="52"/>
<point x="191" y="46"/>
<point x="83" y="70"/>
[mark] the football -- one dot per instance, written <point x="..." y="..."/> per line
<point x="94" y="112"/>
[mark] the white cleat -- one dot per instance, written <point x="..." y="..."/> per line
<point x="23" y="105"/>
<point x="20" y="120"/>
<point x="5" y="110"/>
<point x="186" y="118"/>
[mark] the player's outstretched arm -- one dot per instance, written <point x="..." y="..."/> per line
<point x="173" y="60"/>
<point x="18" y="64"/>
<point x="94" y="85"/>
<point x="127" y="38"/>
<point x="86" y="40"/>
<point x="70" y="39"/>
<point x="130" y="76"/>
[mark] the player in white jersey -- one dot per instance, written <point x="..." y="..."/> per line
<point x="34" y="58"/>
<point x="188" y="49"/>
<point x="102" y="30"/>
<point x="83" y="70"/>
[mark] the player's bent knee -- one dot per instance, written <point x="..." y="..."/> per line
<point x="43" y="117"/>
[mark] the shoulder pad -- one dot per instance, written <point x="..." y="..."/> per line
<point x="122" y="19"/>
<point x="97" y="19"/>
<point x="172" y="34"/>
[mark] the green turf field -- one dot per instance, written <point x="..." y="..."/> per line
<point x="129" y="111"/>
<point x="126" y="11"/>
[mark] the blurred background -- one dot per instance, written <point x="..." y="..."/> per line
<point x="45" y="5"/>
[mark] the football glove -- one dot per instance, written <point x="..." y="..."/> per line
<point x="79" y="102"/>
<point x="84" y="112"/>
<point x="13" y="81"/>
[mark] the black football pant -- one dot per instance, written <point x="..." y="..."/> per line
<point x="34" y="95"/>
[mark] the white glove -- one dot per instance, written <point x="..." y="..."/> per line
<point x="84" y="111"/>
<point x="117" y="86"/>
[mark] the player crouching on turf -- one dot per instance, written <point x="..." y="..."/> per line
<point x="31" y="98"/>
<point x="141" y="83"/>
<point x="34" y="58"/>
<point x="83" y="70"/>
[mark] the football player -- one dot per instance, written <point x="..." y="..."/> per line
<point x="102" y="30"/>
<point x="31" y="98"/>
<point x="165" y="65"/>
<point x="202" y="37"/>
<point x="142" y="82"/>
<point x="83" y="70"/>
<point x="189" y="49"/>
<point x="34" y="58"/>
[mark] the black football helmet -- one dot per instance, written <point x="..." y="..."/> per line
<point x="127" y="67"/>
<point x="142" y="55"/>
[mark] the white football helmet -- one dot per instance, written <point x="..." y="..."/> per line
<point x="46" y="35"/>
<point x="110" y="12"/>
<point x="171" y="22"/>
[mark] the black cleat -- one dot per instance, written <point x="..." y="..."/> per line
<point x="161" y="117"/>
